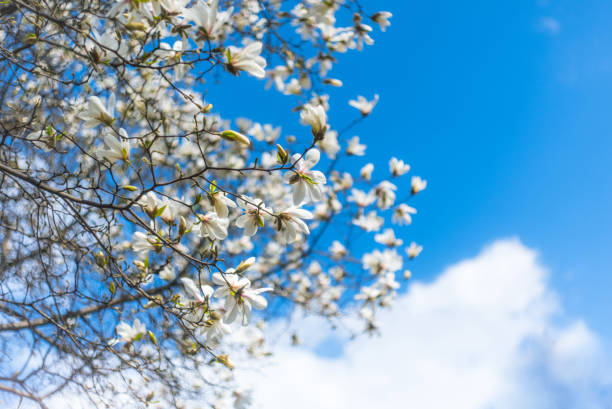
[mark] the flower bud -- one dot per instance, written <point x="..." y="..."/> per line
<point x="281" y="155"/>
<point x="234" y="136"/>
<point x="101" y="259"/>
<point x="333" y="82"/>
<point x="182" y="226"/>
<point x="245" y="265"/>
<point x="136" y="26"/>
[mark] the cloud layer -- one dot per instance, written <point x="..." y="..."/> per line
<point x="485" y="334"/>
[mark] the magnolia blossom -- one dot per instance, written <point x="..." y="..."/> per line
<point x="382" y="261"/>
<point x="366" y="171"/>
<point x="363" y="105"/>
<point x="361" y="198"/>
<point x="131" y="333"/>
<point x="117" y="148"/>
<point x="368" y="294"/>
<point x="398" y="167"/>
<point x="150" y="203"/>
<point x="239" y="297"/>
<point x="246" y="59"/>
<point x="167" y="273"/>
<point x="382" y="19"/>
<point x="143" y="243"/>
<point x="173" y="54"/>
<point x="307" y="183"/>
<point x="337" y="250"/>
<point x="418" y="185"/>
<point x="213" y="226"/>
<point x="385" y="192"/>
<point x="97" y="113"/>
<point x="329" y="144"/>
<point x="413" y="250"/>
<point x="221" y="203"/>
<point x="254" y="215"/>
<point x="201" y="294"/>
<point x="387" y="237"/>
<point x="208" y="19"/>
<point x="315" y="116"/>
<point x="388" y="281"/>
<point x="290" y="223"/>
<point x="355" y="148"/>
<point x="369" y="222"/>
<point x="402" y="214"/>
<point x="214" y="327"/>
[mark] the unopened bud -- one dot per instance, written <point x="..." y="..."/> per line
<point x="140" y="265"/>
<point x="136" y="26"/>
<point x="234" y="136"/>
<point x="101" y="259"/>
<point x="333" y="82"/>
<point x="281" y="155"/>
<point x="245" y="265"/>
<point x="182" y="226"/>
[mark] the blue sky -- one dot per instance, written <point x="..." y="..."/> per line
<point x="504" y="107"/>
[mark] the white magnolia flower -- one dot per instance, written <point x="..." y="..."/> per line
<point x="402" y="214"/>
<point x="220" y="202"/>
<point x="418" y="185"/>
<point x="213" y="226"/>
<point x="388" y="282"/>
<point x="150" y="203"/>
<point x="97" y="113"/>
<point x="361" y="198"/>
<point x="363" y="105"/>
<point x="368" y="294"/>
<point x="246" y="59"/>
<point x="337" y="250"/>
<point x="387" y="237"/>
<point x="385" y="192"/>
<point x="253" y="218"/>
<point x="366" y="171"/>
<point x="117" y="148"/>
<point x="414" y="250"/>
<point x="107" y="46"/>
<point x="315" y="116"/>
<point x="239" y="297"/>
<point x="201" y="294"/>
<point x="214" y="327"/>
<point x="131" y="333"/>
<point x="382" y="19"/>
<point x="369" y="222"/>
<point x="167" y="273"/>
<point x="398" y="167"/>
<point x="379" y="262"/>
<point x="266" y="132"/>
<point x="143" y="243"/>
<point x="355" y="148"/>
<point x="290" y="223"/>
<point x="307" y="183"/>
<point x="173" y="55"/>
<point x="329" y="144"/>
<point x="208" y="20"/>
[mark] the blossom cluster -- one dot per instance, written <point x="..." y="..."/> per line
<point x="192" y="219"/>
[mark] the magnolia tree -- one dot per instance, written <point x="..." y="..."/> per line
<point x="140" y="227"/>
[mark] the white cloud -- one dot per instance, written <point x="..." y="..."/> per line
<point x="482" y="335"/>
